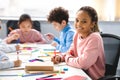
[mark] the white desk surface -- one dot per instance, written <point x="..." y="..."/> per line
<point x="71" y="71"/>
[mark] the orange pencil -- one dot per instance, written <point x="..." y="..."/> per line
<point x="54" y="52"/>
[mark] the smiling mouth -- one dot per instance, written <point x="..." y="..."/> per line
<point x="80" y="28"/>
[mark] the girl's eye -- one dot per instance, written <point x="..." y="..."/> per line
<point x="76" y="20"/>
<point x="83" y="21"/>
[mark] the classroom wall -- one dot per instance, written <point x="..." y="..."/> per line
<point x="105" y="27"/>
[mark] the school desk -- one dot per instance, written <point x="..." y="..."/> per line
<point x="64" y="70"/>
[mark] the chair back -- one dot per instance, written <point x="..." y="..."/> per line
<point x="112" y="52"/>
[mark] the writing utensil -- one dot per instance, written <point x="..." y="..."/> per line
<point x="48" y="49"/>
<point x="71" y="52"/>
<point x="14" y="69"/>
<point x="8" y="75"/>
<point x="32" y="60"/>
<point x="18" y="41"/>
<point x="45" y="72"/>
<point x="45" y="35"/>
<point x="35" y="74"/>
<point x="54" y="52"/>
<point x="49" y="79"/>
<point x="39" y="60"/>
<point x="23" y="75"/>
<point x="34" y="51"/>
<point x="49" y="76"/>
<point x="17" y="55"/>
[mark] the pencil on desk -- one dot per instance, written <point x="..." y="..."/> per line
<point x="13" y="69"/>
<point x="51" y="75"/>
<point x="18" y="41"/>
<point x="23" y="75"/>
<point x="17" y="55"/>
<point x="45" y="72"/>
<point x="8" y="75"/>
<point x="54" y="52"/>
<point x="48" y="77"/>
<point x="35" y="74"/>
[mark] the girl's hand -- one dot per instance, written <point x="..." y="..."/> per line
<point x="56" y="59"/>
<point x="17" y="63"/>
<point x="49" y="36"/>
<point x="17" y="47"/>
<point x="15" y="36"/>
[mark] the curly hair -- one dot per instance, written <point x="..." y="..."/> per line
<point x="58" y="14"/>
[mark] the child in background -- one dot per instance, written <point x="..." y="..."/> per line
<point x="87" y="51"/>
<point x="25" y="33"/>
<point x="59" y="19"/>
<point x="4" y="60"/>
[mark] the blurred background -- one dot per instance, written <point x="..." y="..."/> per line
<point x="108" y="10"/>
<point x="108" y="13"/>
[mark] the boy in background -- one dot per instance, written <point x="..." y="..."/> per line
<point x="59" y="19"/>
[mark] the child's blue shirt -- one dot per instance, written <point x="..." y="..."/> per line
<point x="66" y="38"/>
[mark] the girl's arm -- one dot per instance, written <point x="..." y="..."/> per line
<point x="88" y="57"/>
<point x="12" y="36"/>
<point x="7" y="48"/>
<point x="40" y="38"/>
<point x="6" y="64"/>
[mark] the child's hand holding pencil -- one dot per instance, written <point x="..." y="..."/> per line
<point x="17" y="63"/>
<point x="17" y="47"/>
<point x="56" y="59"/>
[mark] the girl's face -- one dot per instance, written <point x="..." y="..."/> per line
<point x="83" y="23"/>
<point x="25" y="26"/>
<point x="58" y="26"/>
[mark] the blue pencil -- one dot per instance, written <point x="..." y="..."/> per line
<point x="8" y="75"/>
<point x="35" y="74"/>
<point x="49" y="76"/>
<point x="49" y="79"/>
<point x="23" y="75"/>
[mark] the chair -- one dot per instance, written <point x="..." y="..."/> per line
<point x="112" y="54"/>
<point x="13" y="24"/>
